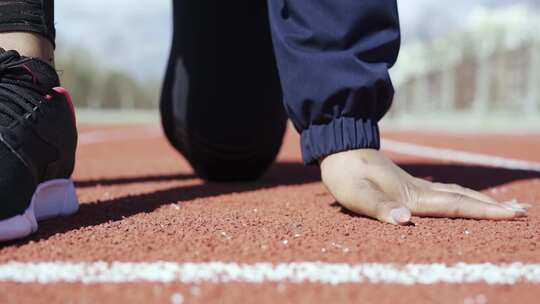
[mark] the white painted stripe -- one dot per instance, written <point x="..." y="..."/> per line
<point x="458" y="156"/>
<point x="119" y="134"/>
<point x="310" y="272"/>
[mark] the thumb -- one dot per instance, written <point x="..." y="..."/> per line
<point x="366" y="198"/>
<point x="401" y="215"/>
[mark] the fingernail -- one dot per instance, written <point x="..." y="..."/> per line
<point x="401" y="215"/>
<point x="523" y="206"/>
<point x="515" y="203"/>
<point x="518" y="211"/>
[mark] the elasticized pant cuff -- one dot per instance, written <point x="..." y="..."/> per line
<point x="342" y="134"/>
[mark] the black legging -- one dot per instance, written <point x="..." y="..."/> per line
<point x="28" y="16"/>
<point x="227" y="119"/>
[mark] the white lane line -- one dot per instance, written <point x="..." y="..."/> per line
<point x="119" y="134"/>
<point x="301" y="272"/>
<point x="458" y="156"/>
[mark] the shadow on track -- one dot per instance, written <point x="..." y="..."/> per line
<point x="474" y="177"/>
<point x="282" y="173"/>
<point x="470" y="176"/>
<point x="131" y="180"/>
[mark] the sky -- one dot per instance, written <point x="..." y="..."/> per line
<point x="134" y="35"/>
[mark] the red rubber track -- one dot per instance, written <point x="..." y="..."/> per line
<point x="141" y="202"/>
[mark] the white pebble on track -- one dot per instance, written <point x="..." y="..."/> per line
<point x="195" y="291"/>
<point x="177" y="298"/>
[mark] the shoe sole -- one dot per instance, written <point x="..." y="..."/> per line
<point x="51" y="199"/>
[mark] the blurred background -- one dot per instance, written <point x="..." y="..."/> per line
<point x="464" y="64"/>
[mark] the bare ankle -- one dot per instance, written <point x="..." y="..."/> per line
<point x="28" y="44"/>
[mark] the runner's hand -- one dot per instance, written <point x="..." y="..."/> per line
<point x="365" y="181"/>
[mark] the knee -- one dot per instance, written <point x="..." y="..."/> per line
<point x="236" y="151"/>
<point x="232" y="164"/>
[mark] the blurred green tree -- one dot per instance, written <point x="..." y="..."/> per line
<point x="92" y="86"/>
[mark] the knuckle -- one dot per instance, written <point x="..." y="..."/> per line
<point x="410" y="191"/>
<point x="455" y="186"/>
<point x="413" y="197"/>
<point x="364" y="183"/>
<point x="458" y="207"/>
<point x="458" y="197"/>
<point x="413" y="204"/>
<point x="421" y="182"/>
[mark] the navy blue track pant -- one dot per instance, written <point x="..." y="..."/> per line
<point x="333" y="58"/>
<point x="232" y="64"/>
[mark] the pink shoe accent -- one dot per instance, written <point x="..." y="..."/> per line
<point x="27" y="69"/>
<point x="64" y="92"/>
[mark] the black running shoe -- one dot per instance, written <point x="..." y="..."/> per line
<point x="38" y="139"/>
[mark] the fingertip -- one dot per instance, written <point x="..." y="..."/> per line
<point x="401" y="215"/>
<point x="508" y="212"/>
<point x="515" y="203"/>
<point x="515" y="208"/>
<point x="525" y="205"/>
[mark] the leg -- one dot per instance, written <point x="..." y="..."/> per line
<point x="37" y="127"/>
<point x="221" y="101"/>
<point x="28" y="27"/>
